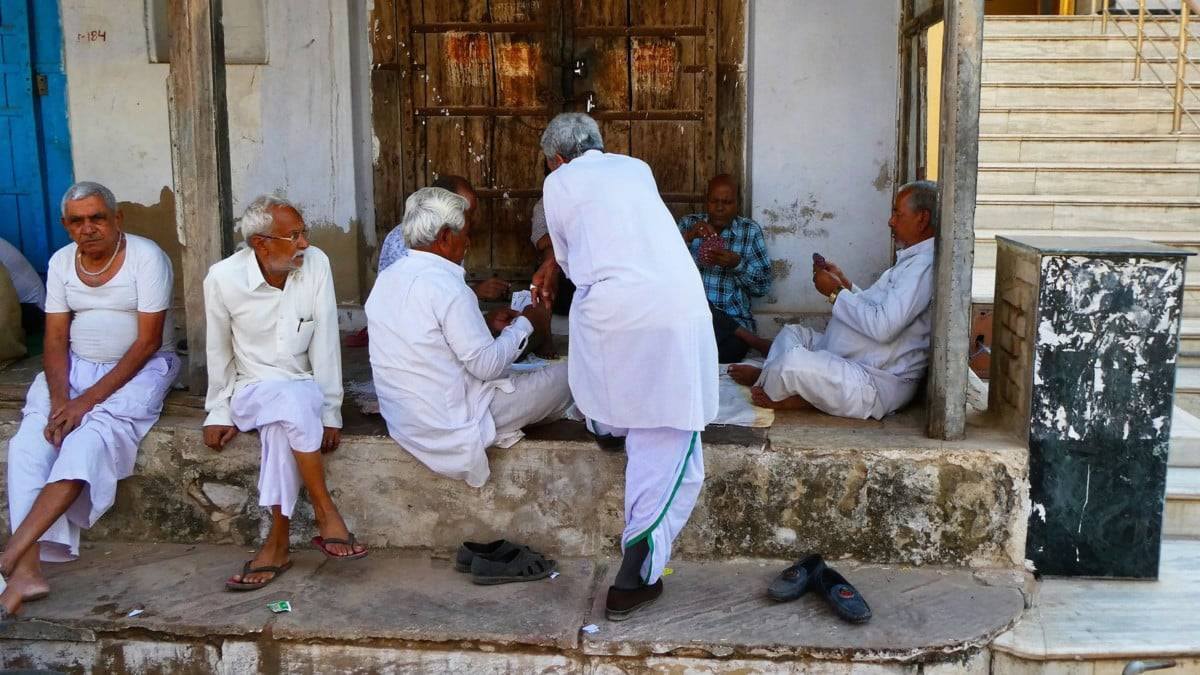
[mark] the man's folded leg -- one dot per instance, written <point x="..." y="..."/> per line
<point x="827" y="382"/>
<point x="537" y="397"/>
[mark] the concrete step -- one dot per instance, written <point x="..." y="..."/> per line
<point x="407" y="611"/>
<point x="985" y="244"/>
<point x="1048" y="178"/>
<point x="1023" y="26"/>
<point x="1182" y="516"/>
<point x="1089" y="626"/>
<point x="1073" y="147"/>
<point x="1119" y="94"/>
<point x="1096" y="45"/>
<point x="1187" y="381"/>
<point x="1185" y="428"/>
<point x="877" y="491"/>
<point x="1079" y="69"/>
<point x="1068" y="214"/>
<point x="1055" y="120"/>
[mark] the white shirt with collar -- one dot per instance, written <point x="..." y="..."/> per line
<point x="886" y="328"/>
<point x="436" y="365"/>
<point x="257" y="332"/>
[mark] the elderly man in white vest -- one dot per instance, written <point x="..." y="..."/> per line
<point x="274" y="365"/>
<point x="642" y="356"/>
<point x="108" y="363"/>
<point x="870" y="359"/>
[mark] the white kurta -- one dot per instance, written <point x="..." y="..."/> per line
<point x="642" y="350"/>
<point x="437" y="367"/>
<point x="872" y="355"/>
<point x="257" y="332"/>
<point x="100" y="452"/>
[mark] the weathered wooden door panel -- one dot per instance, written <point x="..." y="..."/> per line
<point x="481" y="78"/>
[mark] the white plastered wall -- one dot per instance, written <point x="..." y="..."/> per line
<point x="823" y="102"/>
<point x="291" y="122"/>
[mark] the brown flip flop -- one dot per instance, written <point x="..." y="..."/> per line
<point x="320" y="543"/>
<point x="276" y="572"/>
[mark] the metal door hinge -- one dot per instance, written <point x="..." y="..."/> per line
<point x="41" y="85"/>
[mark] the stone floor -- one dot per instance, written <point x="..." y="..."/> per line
<point x="397" y="599"/>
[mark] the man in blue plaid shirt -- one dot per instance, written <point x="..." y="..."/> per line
<point x="733" y="262"/>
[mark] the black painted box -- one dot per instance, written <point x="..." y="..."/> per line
<point x="1086" y="336"/>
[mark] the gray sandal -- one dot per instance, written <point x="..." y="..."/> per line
<point x="517" y="565"/>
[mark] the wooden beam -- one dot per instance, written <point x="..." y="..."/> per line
<point x="199" y="159"/>
<point x="962" y="56"/>
<point x="925" y="19"/>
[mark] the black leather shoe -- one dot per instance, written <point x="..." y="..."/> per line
<point x="842" y="596"/>
<point x="622" y="604"/>
<point x="797" y="579"/>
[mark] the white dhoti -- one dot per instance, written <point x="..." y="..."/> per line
<point x="664" y="472"/>
<point x="287" y="415"/>
<point x="100" y="452"/>
<point x="533" y="397"/>
<point x="798" y="366"/>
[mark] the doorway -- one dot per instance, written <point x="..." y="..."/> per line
<point x="35" y="163"/>
<point x="476" y="81"/>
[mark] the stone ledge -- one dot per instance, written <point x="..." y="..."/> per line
<point x="714" y="617"/>
<point x="872" y="491"/>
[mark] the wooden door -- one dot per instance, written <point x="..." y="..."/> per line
<point x="646" y="71"/>
<point x="480" y="79"/>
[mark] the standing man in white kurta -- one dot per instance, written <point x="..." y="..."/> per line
<point x="441" y="368"/>
<point x="107" y="365"/>
<point x="274" y="365"/>
<point x="642" y="358"/>
<point x="871" y="357"/>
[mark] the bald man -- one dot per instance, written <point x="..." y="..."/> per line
<point x="733" y="262"/>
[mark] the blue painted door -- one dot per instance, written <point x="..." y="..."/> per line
<point x="35" y="146"/>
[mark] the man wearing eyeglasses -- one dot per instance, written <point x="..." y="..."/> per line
<point x="274" y="365"/>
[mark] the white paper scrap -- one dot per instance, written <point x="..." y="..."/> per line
<point x="554" y="575"/>
<point x="591" y="628"/>
<point x="135" y="612"/>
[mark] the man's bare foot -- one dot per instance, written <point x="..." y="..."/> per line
<point x="331" y="526"/>
<point x="272" y="554"/>
<point x="30" y="586"/>
<point x="760" y="399"/>
<point x="744" y="375"/>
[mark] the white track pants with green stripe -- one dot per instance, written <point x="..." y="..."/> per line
<point x="663" y="476"/>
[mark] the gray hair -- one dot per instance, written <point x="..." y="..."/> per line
<point x="571" y="135"/>
<point x="923" y="195"/>
<point x="427" y="211"/>
<point x="84" y="189"/>
<point x="258" y="217"/>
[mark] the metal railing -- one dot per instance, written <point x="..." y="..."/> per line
<point x="1180" y="32"/>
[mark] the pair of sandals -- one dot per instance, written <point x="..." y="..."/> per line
<point x="320" y="543"/>
<point x="811" y="572"/>
<point x="502" y="562"/>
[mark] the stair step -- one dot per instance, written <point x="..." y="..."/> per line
<point x="1114" y="148"/>
<point x="810" y="482"/>
<point x="1079" y="626"/>
<point x="983" y="289"/>
<point x="1182" y="516"/>
<point x="1068" y="214"/>
<point x="1187" y="381"/>
<point x="985" y="249"/>
<point x="1046" y="178"/>
<point x="1054" y="26"/>
<point x="407" y="611"/>
<point x="1084" y="95"/>
<point x="1079" y="69"/>
<point x="1185" y="427"/>
<point x="1042" y="120"/>
<point x="1096" y="46"/>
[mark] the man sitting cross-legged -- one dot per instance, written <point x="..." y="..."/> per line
<point x="274" y="365"/>
<point x="872" y="356"/>
<point x="732" y="257"/>
<point x="440" y="373"/>
<point x="107" y="367"/>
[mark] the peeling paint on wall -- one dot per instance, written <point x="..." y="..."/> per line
<point x="780" y="269"/>
<point x="797" y="218"/>
<point x="883" y="182"/>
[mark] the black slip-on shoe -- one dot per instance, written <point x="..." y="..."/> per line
<point x="844" y="598"/>
<point x="622" y="604"/>
<point x="797" y="579"/>
<point x="470" y="550"/>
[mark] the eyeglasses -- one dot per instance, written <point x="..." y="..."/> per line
<point x="292" y="238"/>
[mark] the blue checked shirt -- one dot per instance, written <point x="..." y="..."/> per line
<point x="730" y="289"/>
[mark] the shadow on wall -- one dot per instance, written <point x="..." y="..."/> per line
<point x="157" y="223"/>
